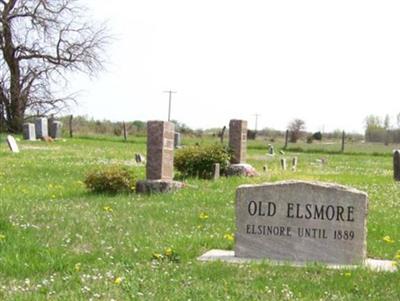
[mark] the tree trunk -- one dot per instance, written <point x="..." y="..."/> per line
<point x="15" y="123"/>
<point x="15" y="115"/>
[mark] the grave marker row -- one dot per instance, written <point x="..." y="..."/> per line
<point x="41" y="129"/>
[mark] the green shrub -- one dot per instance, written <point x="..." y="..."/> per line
<point x="111" y="179"/>
<point x="197" y="161"/>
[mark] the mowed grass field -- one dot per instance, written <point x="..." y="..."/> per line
<point x="60" y="242"/>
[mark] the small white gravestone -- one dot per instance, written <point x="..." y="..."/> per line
<point x="283" y="164"/>
<point x="294" y="163"/>
<point x="12" y="144"/>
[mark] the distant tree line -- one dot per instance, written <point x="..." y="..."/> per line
<point x="83" y="125"/>
<point x="379" y="129"/>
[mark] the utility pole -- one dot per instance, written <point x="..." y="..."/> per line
<point x="256" y="115"/>
<point x="169" y="103"/>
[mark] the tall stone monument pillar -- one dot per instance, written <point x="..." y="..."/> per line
<point x="160" y="159"/>
<point x="160" y="150"/>
<point x="238" y="140"/>
<point x="238" y="147"/>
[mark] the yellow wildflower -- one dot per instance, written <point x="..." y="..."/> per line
<point x="168" y="252"/>
<point x="229" y="236"/>
<point x="203" y="216"/>
<point x="348" y="274"/>
<point x="2" y="237"/>
<point x="78" y="267"/>
<point x="118" y="280"/>
<point x="107" y="209"/>
<point x="157" y="256"/>
<point x="388" y="239"/>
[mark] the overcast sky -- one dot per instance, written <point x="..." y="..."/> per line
<point x="331" y="63"/>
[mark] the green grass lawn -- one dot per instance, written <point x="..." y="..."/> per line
<point x="59" y="242"/>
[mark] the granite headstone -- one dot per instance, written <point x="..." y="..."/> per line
<point x="28" y="131"/>
<point x="160" y="159"/>
<point x="301" y="222"/>
<point x="55" y="128"/>
<point x="41" y="128"/>
<point x="12" y="144"/>
<point x="238" y="140"/>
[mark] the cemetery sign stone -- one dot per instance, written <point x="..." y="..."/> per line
<point x="301" y="222"/>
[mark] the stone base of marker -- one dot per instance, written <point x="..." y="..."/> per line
<point x="158" y="186"/>
<point x="377" y="265"/>
<point x="241" y="170"/>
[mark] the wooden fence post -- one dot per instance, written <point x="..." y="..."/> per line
<point x="71" y="134"/>
<point x="125" y="133"/>
<point x="343" y="137"/>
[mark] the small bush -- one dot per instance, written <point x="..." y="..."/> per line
<point x="111" y="179"/>
<point x="197" y="161"/>
<point x="317" y="136"/>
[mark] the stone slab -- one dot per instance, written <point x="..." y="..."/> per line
<point x="29" y="132"/>
<point x="377" y="265"/>
<point x="12" y="144"/>
<point x="301" y="222"/>
<point x="55" y="129"/>
<point x="177" y="140"/>
<point x="157" y="186"/>
<point x="41" y="127"/>
<point x="216" y="171"/>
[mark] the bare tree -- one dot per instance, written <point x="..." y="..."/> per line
<point x="41" y="41"/>
<point x="296" y="127"/>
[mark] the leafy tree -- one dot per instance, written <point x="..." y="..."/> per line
<point x="296" y="128"/>
<point x="374" y="129"/>
<point x="182" y="128"/>
<point x="373" y="121"/>
<point x="40" y="42"/>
